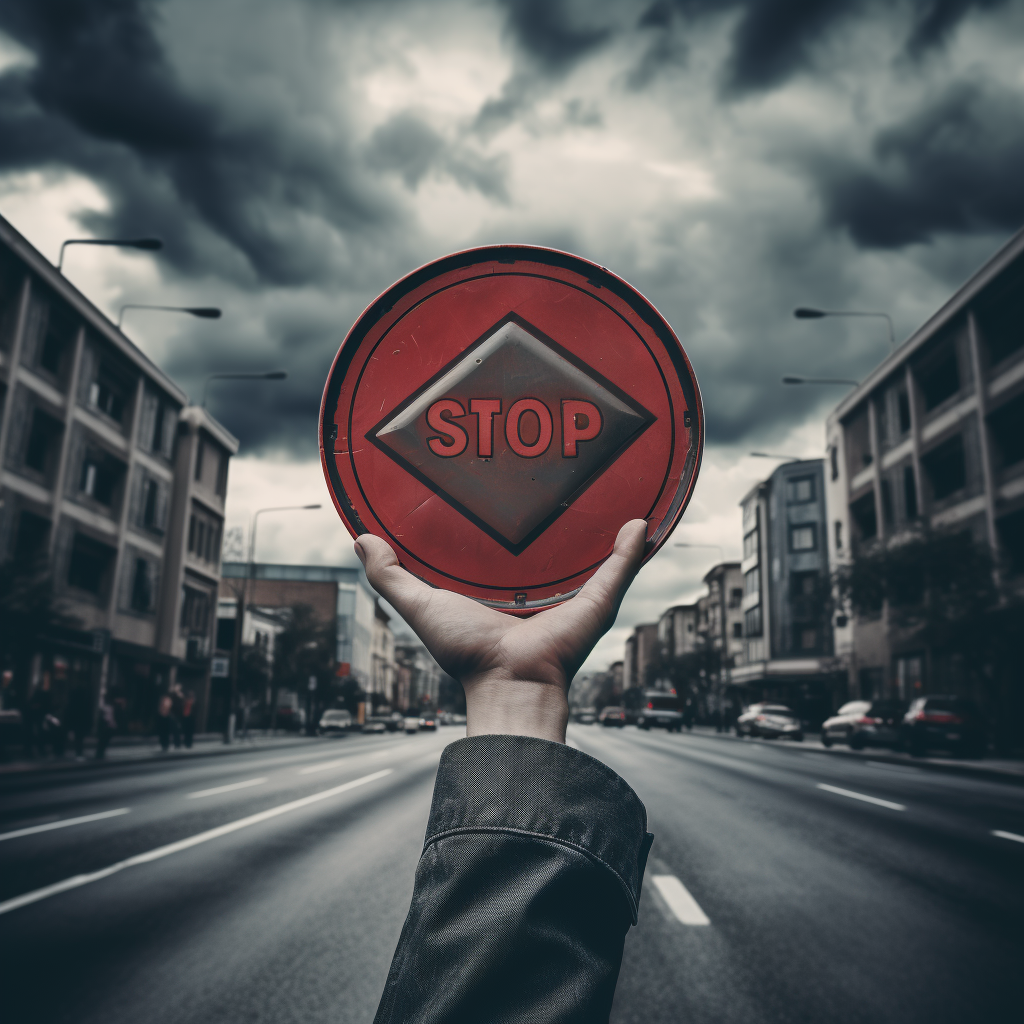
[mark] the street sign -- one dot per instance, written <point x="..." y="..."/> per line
<point x="220" y="668"/>
<point x="498" y="414"/>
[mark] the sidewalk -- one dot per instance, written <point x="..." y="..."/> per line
<point x="1000" y="769"/>
<point x="132" y="749"/>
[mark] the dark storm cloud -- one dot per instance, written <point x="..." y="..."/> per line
<point x="956" y="165"/>
<point x="103" y="99"/>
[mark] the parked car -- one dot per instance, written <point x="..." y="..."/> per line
<point x="585" y="716"/>
<point x="660" y="710"/>
<point x="395" y="722"/>
<point x="944" y="722"/>
<point x="771" y="721"/>
<point x="429" y="722"/>
<point x="613" y="716"/>
<point x="291" y="719"/>
<point x="865" y="723"/>
<point x="334" y="722"/>
<point x="411" y="724"/>
<point x="376" y="725"/>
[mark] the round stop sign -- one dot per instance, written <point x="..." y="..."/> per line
<point x="497" y="415"/>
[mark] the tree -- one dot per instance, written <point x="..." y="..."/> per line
<point x="304" y="648"/>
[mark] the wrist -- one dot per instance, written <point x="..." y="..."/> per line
<point x="516" y="707"/>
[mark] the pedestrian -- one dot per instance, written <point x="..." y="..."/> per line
<point x="188" y="718"/>
<point x="106" y="723"/>
<point x="531" y="871"/>
<point x="78" y="714"/>
<point x="163" y="722"/>
<point x="177" y="713"/>
<point x="688" y="714"/>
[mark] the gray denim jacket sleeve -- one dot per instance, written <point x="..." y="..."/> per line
<point x="529" y="880"/>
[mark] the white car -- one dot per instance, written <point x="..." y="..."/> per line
<point x="334" y="722"/>
<point x="411" y="724"/>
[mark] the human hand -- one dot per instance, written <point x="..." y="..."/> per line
<point x="516" y="672"/>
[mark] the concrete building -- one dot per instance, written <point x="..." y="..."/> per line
<point x="722" y="612"/>
<point x="382" y="658"/>
<point x="337" y="595"/>
<point x="642" y="650"/>
<point x="110" y="480"/>
<point x="787" y="631"/>
<point x="933" y="437"/>
<point x="417" y="676"/>
<point x="677" y="630"/>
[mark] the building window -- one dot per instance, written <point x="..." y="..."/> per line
<point x="59" y="332"/>
<point x="903" y="407"/>
<point x="32" y="537"/>
<point x="735" y="597"/>
<point x="195" y="611"/>
<point x="149" y="508"/>
<point x="833" y="456"/>
<point x="946" y="468"/>
<point x="803" y="538"/>
<point x="1006" y="425"/>
<point x="142" y="586"/>
<point x="909" y="492"/>
<point x="752" y="581"/>
<point x="737" y="630"/>
<point x="839" y="535"/>
<point x="862" y="512"/>
<point x="750" y="544"/>
<point x="108" y="395"/>
<point x="939" y="377"/>
<point x="808" y="639"/>
<point x="100" y="476"/>
<point x="800" y="490"/>
<point x="43" y="442"/>
<point x="887" y="512"/>
<point x="752" y="622"/>
<point x="90" y="564"/>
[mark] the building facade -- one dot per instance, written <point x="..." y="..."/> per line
<point x="933" y="439"/>
<point x="417" y="677"/>
<point x="101" y="472"/>
<point x="787" y="645"/>
<point x="382" y="658"/>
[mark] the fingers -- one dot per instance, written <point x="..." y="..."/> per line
<point x="406" y="593"/>
<point x="586" y="617"/>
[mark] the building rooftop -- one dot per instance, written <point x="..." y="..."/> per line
<point x="300" y="573"/>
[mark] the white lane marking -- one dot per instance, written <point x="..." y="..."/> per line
<point x="225" y="789"/>
<point x="182" y="844"/>
<point x="31" y="830"/>
<point x="861" y="796"/>
<point x="324" y="767"/>
<point x="996" y="832"/>
<point x="680" y="902"/>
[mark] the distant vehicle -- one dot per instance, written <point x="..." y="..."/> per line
<point x="944" y="722"/>
<point x="334" y="723"/>
<point x="771" y="721"/>
<point x="661" y="711"/>
<point x="395" y="721"/>
<point x="291" y="719"/>
<point x="613" y="717"/>
<point x="585" y="716"/>
<point x="429" y="723"/>
<point x="458" y="719"/>
<point x="411" y="724"/>
<point x="445" y="718"/>
<point x="376" y="725"/>
<point x="865" y="723"/>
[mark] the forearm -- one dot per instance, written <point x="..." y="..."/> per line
<point x="528" y="882"/>
<point x="515" y="707"/>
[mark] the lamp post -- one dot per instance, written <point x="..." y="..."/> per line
<point x="769" y="455"/>
<point x="805" y="313"/>
<point x="229" y="732"/>
<point x="149" y="244"/>
<point x="684" y="544"/>
<point x="821" y="380"/>
<point x="269" y="375"/>
<point x="203" y="312"/>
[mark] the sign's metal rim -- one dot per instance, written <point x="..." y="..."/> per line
<point x="511" y="254"/>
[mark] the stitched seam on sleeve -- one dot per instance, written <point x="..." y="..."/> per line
<point x="525" y="833"/>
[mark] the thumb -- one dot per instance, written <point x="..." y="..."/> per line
<point x="397" y="586"/>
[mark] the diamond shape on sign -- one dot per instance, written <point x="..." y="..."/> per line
<point x="512" y="432"/>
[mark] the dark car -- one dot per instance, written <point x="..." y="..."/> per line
<point x="376" y="725"/>
<point x="865" y="723"/>
<point x="943" y="722"/>
<point x="334" y="722"/>
<point x="770" y="721"/>
<point x="613" y="717"/>
<point x="660" y="710"/>
<point x="428" y="723"/>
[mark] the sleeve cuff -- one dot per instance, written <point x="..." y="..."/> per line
<point x="528" y="786"/>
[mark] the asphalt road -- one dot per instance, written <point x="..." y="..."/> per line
<point x="272" y="887"/>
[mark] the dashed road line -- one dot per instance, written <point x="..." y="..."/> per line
<point x="182" y="844"/>
<point x="49" y="826"/>
<point x="996" y="832"/>
<point x="225" y="789"/>
<point x="861" y="796"/>
<point x="685" y="908"/>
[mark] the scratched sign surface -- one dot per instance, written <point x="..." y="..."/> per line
<point x="497" y="415"/>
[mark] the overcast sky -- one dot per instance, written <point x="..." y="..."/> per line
<point x="730" y="158"/>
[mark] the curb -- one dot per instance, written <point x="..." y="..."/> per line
<point x="974" y="771"/>
<point x="25" y="769"/>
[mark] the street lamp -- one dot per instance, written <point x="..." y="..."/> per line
<point x="270" y="375"/>
<point x="150" y="244"/>
<point x="203" y="312"/>
<point x="820" y="380"/>
<point x="768" y="455"/>
<point x="803" y="313"/>
<point x="683" y="544"/>
<point x="236" y="654"/>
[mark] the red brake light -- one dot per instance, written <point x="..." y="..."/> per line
<point x="866" y="720"/>
<point x="760" y="718"/>
<point x="650" y="705"/>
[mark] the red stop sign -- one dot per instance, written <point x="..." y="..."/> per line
<point x="498" y="414"/>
